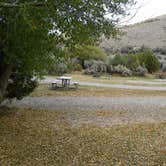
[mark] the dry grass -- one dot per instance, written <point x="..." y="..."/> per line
<point x="78" y="76"/>
<point x="106" y="79"/>
<point x="33" y="137"/>
<point x="109" y="113"/>
<point x="44" y="90"/>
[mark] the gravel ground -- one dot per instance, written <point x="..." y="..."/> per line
<point x="103" y="111"/>
<point x="163" y="82"/>
<point x="122" y="86"/>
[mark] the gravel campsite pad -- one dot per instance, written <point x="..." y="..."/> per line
<point x="105" y="111"/>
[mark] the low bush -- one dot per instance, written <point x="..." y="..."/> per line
<point x="160" y="50"/>
<point x="89" y="71"/>
<point x="132" y="61"/>
<point x="161" y="75"/>
<point x="122" y="70"/>
<point x="59" y="69"/>
<point x="140" y="71"/>
<point x="20" y="85"/>
<point x="76" y="67"/>
<point x="110" y="69"/>
<point x="126" y="50"/>
<point x="88" y="63"/>
<point x="93" y="67"/>
<point x="164" y="67"/>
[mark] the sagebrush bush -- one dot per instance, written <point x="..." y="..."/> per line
<point x="160" y="50"/>
<point x="164" y="67"/>
<point x="89" y="71"/>
<point x="88" y="63"/>
<point x="93" y="67"/>
<point x="110" y="69"/>
<point x="126" y="50"/>
<point x="122" y="70"/>
<point x="140" y="71"/>
<point x="59" y="69"/>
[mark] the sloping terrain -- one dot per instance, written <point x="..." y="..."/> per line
<point x="150" y="33"/>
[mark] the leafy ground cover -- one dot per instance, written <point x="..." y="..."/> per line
<point x="33" y="137"/>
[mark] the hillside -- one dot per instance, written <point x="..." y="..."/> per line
<point x="151" y="33"/>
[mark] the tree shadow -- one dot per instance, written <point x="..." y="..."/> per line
<point x="6" y="112"/>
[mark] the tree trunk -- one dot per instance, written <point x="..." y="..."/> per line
<point x="4" y="76"/>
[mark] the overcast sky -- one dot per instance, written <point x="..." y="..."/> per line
<point x="147" y="9"/>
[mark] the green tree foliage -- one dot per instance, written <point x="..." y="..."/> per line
<point x="149" y="61"/>
<point x="88" y="52"/>
<point x="132" y="61"/>
<point x="146" y="59"/>
<point x="117" y="60"/>
<point x="20" y="85"/>
<point x="33" y="32"/>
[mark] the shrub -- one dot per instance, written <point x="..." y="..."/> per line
<point x="140" y="71"/>
<point x="110" y="69"/>
<point x="164" y="67"/>
<point x="20" y="84"/>
<point x="88" y="63"/>
<point x="99" y="66"/>
<point x="76" y="61"/>
<point x="161" y="76"/>
<point x="89" y="71"/>
<point x="118" y="60"/>
<point x="93" y="67"/>
<point x="76" y="67"/>
<point x="122" y="70"/>
<point x="148" y="60"/>
<point x="159" y="50"/>
<point x="59" y="69"/>
<point x="132" y="61"/>
<point x="126" y="50"/>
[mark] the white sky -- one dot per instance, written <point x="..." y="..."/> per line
<point x="146" y="9"/>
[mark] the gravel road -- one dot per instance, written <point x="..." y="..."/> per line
<point x="92" y="103"/>
<point x="122" y="86"/>
<point x="119" y="110"/>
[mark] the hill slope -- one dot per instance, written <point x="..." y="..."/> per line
<point x="151" y="33"/>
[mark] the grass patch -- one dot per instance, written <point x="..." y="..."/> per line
<point x="109" y="80"/>
<point x="44" y="90"/>
<point x="33" y="137"/>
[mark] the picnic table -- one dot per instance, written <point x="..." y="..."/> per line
<point x="65" y="81"/>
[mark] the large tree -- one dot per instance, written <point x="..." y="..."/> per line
<point x="32" y="32"/>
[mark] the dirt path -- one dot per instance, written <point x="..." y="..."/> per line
<point x="102" y="111"/>
<point x="122" y="86"/>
